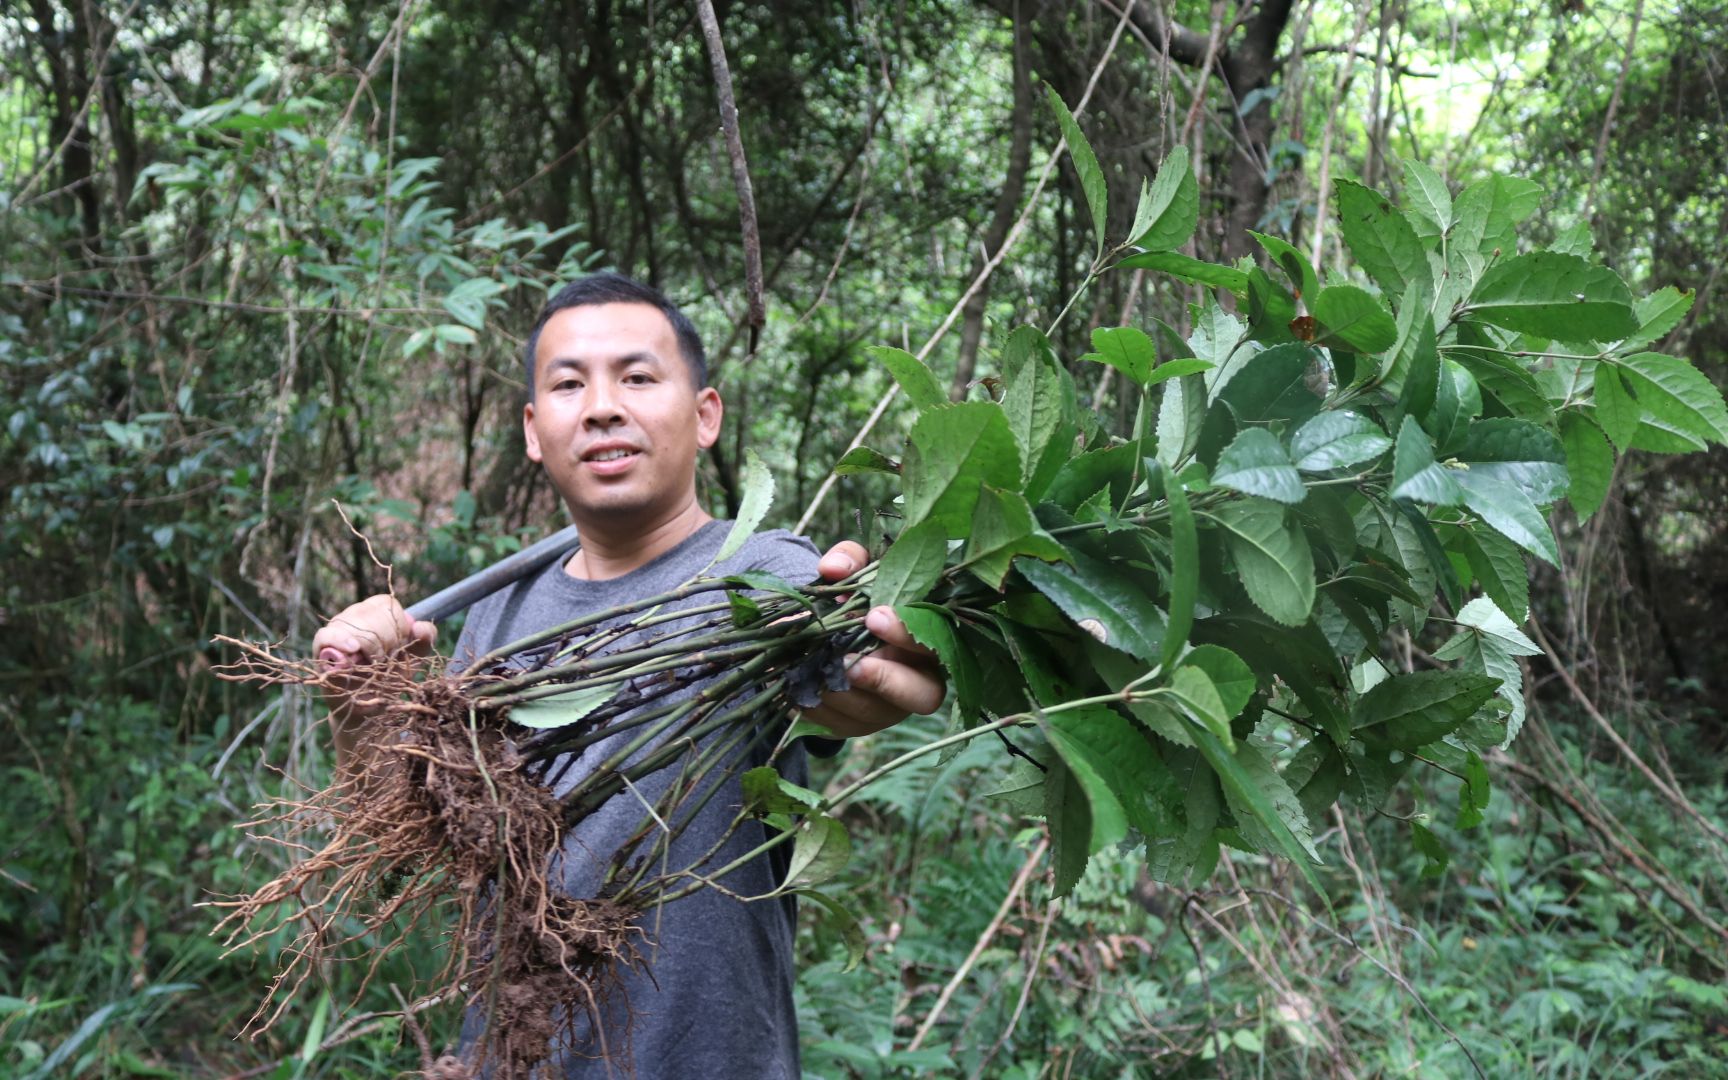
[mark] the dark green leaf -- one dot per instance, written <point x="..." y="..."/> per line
<point x="1230" y="674"/>
<point x="862" y="459"/>
<point x="1519" y="453"/>
<point x="1498" y="564"/>
<point x="1101" y="602"/>
<point x="1589" y="462"/>
<point x="1175" y="369"/>
<point x="1434" y="854"/>
<point x="1069" y="814"/>
<point x="1474" y="794"/>
<point x="1188" y="268"/>
<point x="1273" y="385"/>
<point x="1272" y="558"/>
<point x="1295" y="265"/>
<point x="1084" y="475"/>
<point x="1616" y="410"/>
<point x="1511" y="513"/>
<point x="929" y="626"/>
<point x="1042" y="412"/>
<point x="1380" y="238"/>
<point x="1184" y="567"/>
<point x="744" y="610"/>
<point x="1676" y="396"/>
<point x="1098" y="743"/>
<point x="1421" y="375"/>
<point x="1192" y="688"/>
<point x="953" y="451"/>
<point x="1555" y="296"/>
<point x="1415" y="473"/>
<point x="767" y="792"/>
<point x="1406" y="712"/>
<point x="850" y="932"/>
<point x="1350" y="317"/>
<point x="1255" y="464"/>
<point x="1277" y="813"/>
<point x="911" y="565"/>
<point x="1002" y="528"/>
<point x="1085" y="163"/>
<point x="1169" y="210"/>
<point x="916" y="381"/>
<point x="1337" y="440"/>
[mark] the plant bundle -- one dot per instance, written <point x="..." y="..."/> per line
<point x="1181" y="633"/>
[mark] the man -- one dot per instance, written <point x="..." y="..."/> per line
<point x="618" y="412"/>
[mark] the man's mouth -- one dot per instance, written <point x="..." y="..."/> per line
<point x="609" y="455"/>
<point x="610" y="460"/>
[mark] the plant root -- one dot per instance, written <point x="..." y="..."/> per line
<point x="439" y="825"/>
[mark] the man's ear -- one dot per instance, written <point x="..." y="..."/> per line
<point x="529" y="434"/>
<point x="709" y="412"/>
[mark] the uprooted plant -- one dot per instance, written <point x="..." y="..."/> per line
<point x="1177" y="630"/>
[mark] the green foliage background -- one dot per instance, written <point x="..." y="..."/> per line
<point x="259" y="259"/>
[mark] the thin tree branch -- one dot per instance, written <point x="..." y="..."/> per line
<point x="758" y="313"/>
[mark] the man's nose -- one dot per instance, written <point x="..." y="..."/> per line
<point x="602" y="407"/>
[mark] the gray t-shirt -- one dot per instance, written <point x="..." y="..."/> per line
<point x="716" y="1000"/>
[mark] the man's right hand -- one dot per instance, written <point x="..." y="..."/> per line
<point x="377" y="626"/>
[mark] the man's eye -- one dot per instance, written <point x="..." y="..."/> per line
<point x="638" y="378"/>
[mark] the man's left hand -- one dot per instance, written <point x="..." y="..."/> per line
<point x="900" y="678"/>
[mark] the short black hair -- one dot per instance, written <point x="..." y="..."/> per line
<point x="608" y="287"/>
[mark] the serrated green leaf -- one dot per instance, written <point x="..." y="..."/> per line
<point x="1616" y="410"/>
<point x="1499" y="565"/>
<point x="1415" y="473"/>
<point x="1486" y="214"/>
<point x="560" y="710"/>
<point x="1510" y="512"/>
<point x="1187" y="268"/>
<point x="1069" y="814"/>
<point x="1554" y="296"/>
<point x="1231" y="677"/>
<point x="1181" y="416"/>
<point x="1185" y="857"/>
<point x="1192" y="688"/>
<point x="952" y="452"/>
<point x="1272" y="558"/>
<point x="1428" y="199"/>
<point x="1184" y="566"/>
<point x="1125" y="348"/>
<point x="1098" y="744"/>
<point x="1041" y="410"/>
<point x="1253" y="790"/>
<point x="1489" y="642"/>
<point x="930" y="627"/>
<point x="1101" y="602"/>
<point x="1419" y="380"/>
<point x="1337" y="440"/>
<point x="1519" y="453"/>
<point x="1589" y="462"/>
<point x="1255" y="464"/>
<point x="1350" y="317"/>
<point x="1273" y="385"/>
<point x="1171" y="208"/>
<point x="1659" y="313"/>
<point x="1002" y="529"/>
<point x="1304" y="284"/>
<point x="916" y="381"/>
<point x="1409" y="711"/>
<point x="1380" y="238"/>
<point x="911" y="565"/>
<point x="1085" y="163"/>
<point x="753" y="506"/>
<point x="862" y="459"/>
<point x="1675" y="395"/>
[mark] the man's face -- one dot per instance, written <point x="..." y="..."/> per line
<point x="617" y="418"/>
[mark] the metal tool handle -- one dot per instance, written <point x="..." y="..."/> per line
<point x="465" y="593"/>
